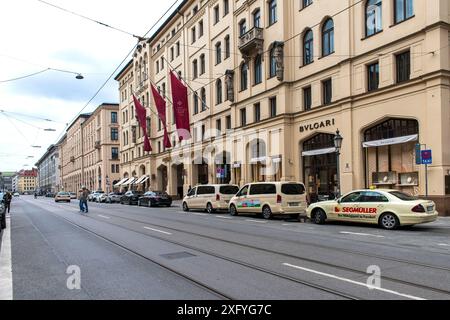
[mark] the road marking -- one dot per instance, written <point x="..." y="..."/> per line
<point x="198" y="214"/>
<point x="222" y="217"/>
<point x="443" y="245"/>
<point x="361" y="234"/>
<point x="353" y="282"/>
<point x="104" y="217"/>
<point x="257" y="221"/>
<point x="156" y="230"/>
<point x="6" y="280"/>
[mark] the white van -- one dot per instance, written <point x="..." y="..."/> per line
<point x="211" y="197"/>
<point x="269" y="199"/>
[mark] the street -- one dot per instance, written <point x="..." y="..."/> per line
<point x="124" y="252"/>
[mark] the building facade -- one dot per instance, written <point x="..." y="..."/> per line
<point x="25" y="181"/>
<point x="90" y="151"/>
<point x="48" y="171"/>
<point x="6" y="181"/>
<point x="271" y="82"/>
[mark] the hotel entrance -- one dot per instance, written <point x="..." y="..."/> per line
<point x="320" y="167"/>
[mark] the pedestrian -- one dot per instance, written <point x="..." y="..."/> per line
<point x="190" y="188"/>
<point x="7" y="198"/>
<point x="2" y="216"/>
<point x="83" y="200"/>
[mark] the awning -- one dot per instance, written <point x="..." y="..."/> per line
<point x="121" y="182"/>
<point x="318" y="152"/>
<point x="276" y="159"/>
<point x="142" y="180"/>
<point x="260" y="159"/>
<point x="237" y="165"/>
<point x="389" y="142"/>
<point x="129" y="182"/>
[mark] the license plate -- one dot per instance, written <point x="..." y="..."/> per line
<point x="294" y="204"/>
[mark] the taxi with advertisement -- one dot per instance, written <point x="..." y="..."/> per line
<point x="389" y="209"/>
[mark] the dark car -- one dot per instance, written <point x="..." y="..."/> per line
<point x="50" y="195"/>
<point x="155" y="199"/>
<point x="131" y="198"/>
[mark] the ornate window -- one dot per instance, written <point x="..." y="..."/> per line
<point x="328" y="38"/>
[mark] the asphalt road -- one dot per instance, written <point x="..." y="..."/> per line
<point x="123" y="252"/>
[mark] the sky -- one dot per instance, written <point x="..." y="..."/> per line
<point x="35" y="36"/>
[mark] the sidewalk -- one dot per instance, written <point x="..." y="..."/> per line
<point x="6" y="289"/>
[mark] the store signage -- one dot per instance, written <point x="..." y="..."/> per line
<point x="317" y="125"/>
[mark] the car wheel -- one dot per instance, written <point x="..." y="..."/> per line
<point x="233" y="211"/>
<point x="209" y="208"/>
<point x="389" y="221"/>
<point x="267" y="213"/>
<point x="185" y="207"/>
<point x="319" y="216"/>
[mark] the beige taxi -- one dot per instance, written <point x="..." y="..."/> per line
<point x="62" y="196"/>
<point x="270" y="199"/>
<point x="389" y="209"/>
<point x="212" y="197"/>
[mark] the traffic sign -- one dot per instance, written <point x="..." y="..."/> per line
<point x="427" y="157"/>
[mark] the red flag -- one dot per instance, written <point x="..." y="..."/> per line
<point x="180" y="107"/>
<point x="161" y="107"/>
<point x="141" y="114"/>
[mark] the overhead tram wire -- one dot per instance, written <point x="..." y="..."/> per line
<point x="118" y="67"/>
<point x="28" y="116"/>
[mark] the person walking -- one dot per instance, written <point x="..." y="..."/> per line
<point x="7" y="198"/>
<point x="2" y="216"/>
<point x="84" y="200"/>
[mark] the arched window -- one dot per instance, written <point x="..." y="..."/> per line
<point x="328" y="38"/>
<point x="273" y="63"/>
<point x="244" y="77"/>
<point x="195" y="103"/>
<point x="218" y="52"/>
<point x="195" y="69"/>
<point x="258" y="69"/>
<point x="373" y="17"/>
<point x="308" y="50"/>
<point x="218" y="92"/>
<point x="227" y="47"/>
<point x="202" y="64"/>
<point x="203" y="97"/>
<point x="242" y="28"/>
<point x="145" y="71"/>
<point x="257" y="18"/>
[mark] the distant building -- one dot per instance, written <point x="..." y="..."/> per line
<point x="6" y="180"/>
<point x="48" y="172"/>
<point x="25" y="181"/>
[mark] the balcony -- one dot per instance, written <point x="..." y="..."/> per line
<point x="252" y="42"/>
<point x="97" y="145"/>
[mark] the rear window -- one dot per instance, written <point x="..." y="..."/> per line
<point x="403" y="196"/>
<point x="63" y="194"/>
<point x="293" y="189"/>
<point x="229" y="190"/>
<point x="263" y="189"/>
<point x="206" y="190"/>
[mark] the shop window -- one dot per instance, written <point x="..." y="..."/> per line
<point x="447" y="185"/>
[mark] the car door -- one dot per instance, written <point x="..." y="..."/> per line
<point x="203" y="193"/>
<point x="241" y="199"/>
<point x="371" y="205"/>
<point x="346" y="207"/>
<point x="190" y="198"/>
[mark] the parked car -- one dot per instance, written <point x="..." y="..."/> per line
<point x="154" y="199"/>
<point x="16" y="194"/>
<point x="131" y="198"/>
<point x="114" y="197"/>
<point x="73" y="195"/>
<point x="93" y="196"/>
<point x="101" y="197"/>
<point x="269" y="199"/>
<point x="62" y="196"/>
<point x="210" y="197"/>
<point x="1" y="197"/>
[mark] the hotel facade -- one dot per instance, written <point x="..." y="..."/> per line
<point x="272" y="81"/>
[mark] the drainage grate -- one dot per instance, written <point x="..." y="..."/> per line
<point x="178" y="255"/>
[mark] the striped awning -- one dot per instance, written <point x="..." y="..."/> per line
<point x="129" y="182"/>
<point x="121" y="182"/>
<point x="142" y="180"/>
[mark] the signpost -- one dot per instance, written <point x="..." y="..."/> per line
<point x="424" y="157"/>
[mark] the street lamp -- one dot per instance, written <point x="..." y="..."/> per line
<point x="338" y="145"/>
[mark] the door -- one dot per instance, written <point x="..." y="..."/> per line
<point x="346" y="207"/>
<point x="190" y="198"/>
<point x="204" y="194"/>
<point x="371" y="204"/>
<point x="241" y="202"/>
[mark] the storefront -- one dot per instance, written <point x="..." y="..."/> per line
<point x="320" y="167"/>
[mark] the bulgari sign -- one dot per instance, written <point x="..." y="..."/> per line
<point x="317" y="125"/>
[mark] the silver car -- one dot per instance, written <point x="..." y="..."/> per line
<point x="114" y="197"/>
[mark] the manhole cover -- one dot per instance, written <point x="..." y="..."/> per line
<point x="177" y="255"/>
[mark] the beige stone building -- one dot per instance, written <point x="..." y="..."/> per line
<point x="26" y="181"/>
<point x="272" y="81"/>
<point x="90" y="151"/>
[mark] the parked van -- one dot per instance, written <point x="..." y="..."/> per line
<point x="211" y="197"/>
<point x="269" y="199"/>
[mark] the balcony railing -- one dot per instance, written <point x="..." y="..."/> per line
<point x="252" y="41"/>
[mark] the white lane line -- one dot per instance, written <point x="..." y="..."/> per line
<point x="361" y="234"/>
<point x="257" y="221"/>
<point x="156" y="230"/>
<point x="222" y="217"/>
<point x="104" y="217"/>
<point x="354" y="282"/>
<point x="6" y="280"/>
<point x="198" y="214"/>
<point x="443" y="245"/>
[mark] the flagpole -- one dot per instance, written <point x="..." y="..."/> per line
<point x="187" y="84"/>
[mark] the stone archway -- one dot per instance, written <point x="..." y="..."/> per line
<point x="257" y="160"/>
<point x="200" y="171"/>
<point x="222" y="162"/>
<point x="162" y="178"/>
<point x="178" y="180"/>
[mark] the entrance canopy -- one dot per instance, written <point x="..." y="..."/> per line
<point x="392" y="141"/>
<point x="142" y="180"/>
<point x="129" y="182"/>
<point x="121" y="182"/>
<point x="318" y="152"/>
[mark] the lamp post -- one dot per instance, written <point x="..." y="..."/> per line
<point x="338" y="145"/>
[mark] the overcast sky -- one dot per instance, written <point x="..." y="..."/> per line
<point x="35" y="36"/>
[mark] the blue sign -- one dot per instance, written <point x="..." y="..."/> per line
<point x="427" y="157"/>
<point x="418" y="154"/>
